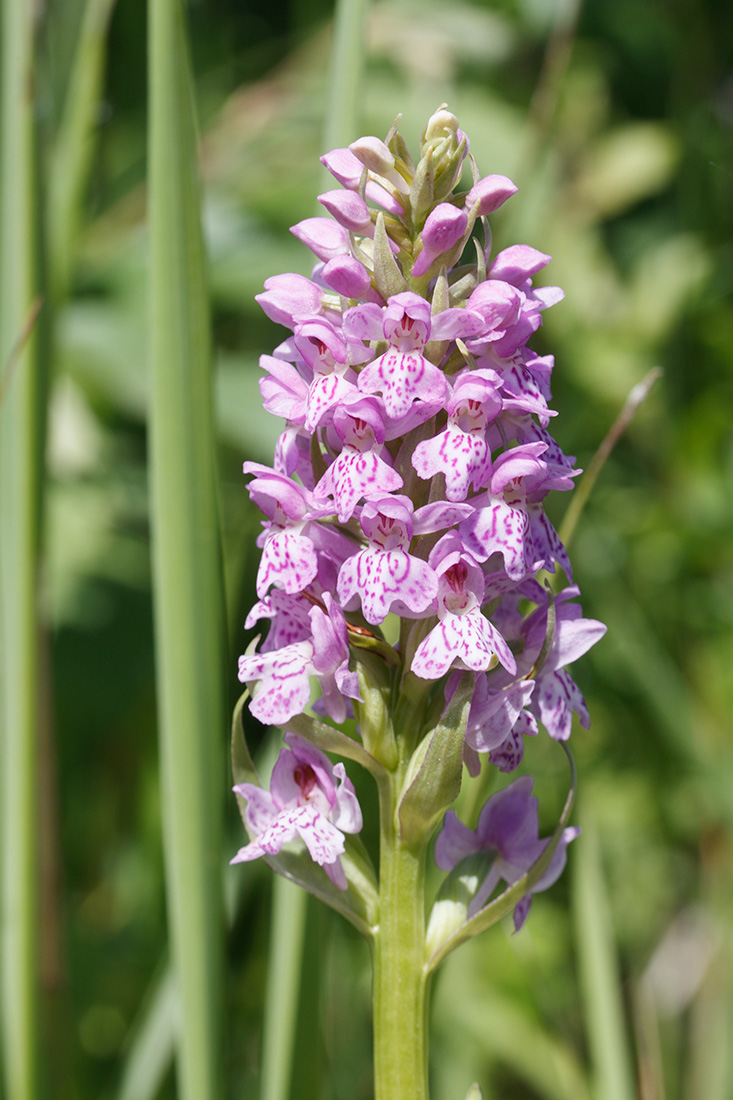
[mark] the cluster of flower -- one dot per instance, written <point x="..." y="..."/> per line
<point x="409" y="480"/>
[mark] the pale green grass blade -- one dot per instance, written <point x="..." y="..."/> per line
<point x="188" y="589"/>
<point x="347" y="70"/>
<point x="21" y="458"/>
<point x="151" y="1045"/>
<point x="611" y="1058"/>
<point x="580" y="497"/>
<point x="289" y="904"/>
<point x="152" y="1048"/>
<point x="74" y="144"/>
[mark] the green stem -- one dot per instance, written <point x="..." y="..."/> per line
<point x="21" y="478"/>
<point x="400" y="981"/>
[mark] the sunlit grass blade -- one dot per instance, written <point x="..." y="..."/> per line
<point x="289" y="904"/>
<point x="152" y="1047"/>
<point x="580" y="498"/>
<point x="188" y="589"/>
<point x="74" y="145"/>
<point x="21" y="464"/>
<point x="347" y="68"/>
<point x="611" y="1059"/>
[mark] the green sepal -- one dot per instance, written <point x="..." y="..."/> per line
<point x="422" y="190"/>
<point x="375" y="717"/>
<point x="359" y="903"/>
<point x="505" y="902"/>
<point x="450" y="908"/>
<point x="388" y="279"/>
<point x="441" y="294"/>
<point x="481" y="254"/>
<point x="463" y="286"/>
<point x="434" y="350"/>
<point x="398" y="146"/>
<point x="449" y="172"/>
<point x="434" y="773"/>
<point x="372" y="643"/>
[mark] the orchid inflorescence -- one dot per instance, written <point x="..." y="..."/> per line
<point x="406" y="549"/>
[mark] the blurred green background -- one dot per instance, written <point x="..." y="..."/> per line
<point x="615" y="120"/>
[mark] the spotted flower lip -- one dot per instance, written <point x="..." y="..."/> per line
<point x="309" y="798"/>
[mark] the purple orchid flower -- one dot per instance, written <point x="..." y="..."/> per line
<point x="509" y="520"/>
<point x="293" y="540"/>
<point x="464" y="638"/>
<point x="310" y="798"/>
<point x="284" y="674"/>
<point x="363" y="468"/>
<point x="508" y="829"/>
<point x="462" y="452"/>
<point x="557" y="695"/>
<point x="410" y="480"/>
<point x="385" y="576"/>
<point x="402" y="375"/>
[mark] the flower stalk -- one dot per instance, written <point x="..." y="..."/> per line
<point x="400" y="981"/>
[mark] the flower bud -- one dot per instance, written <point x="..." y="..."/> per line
<point x="441" y="125"/>
<point x="443" y="229"/>
<point x="376" y="156"/>
<point x="325" y="238"/>
<point x="349" y="210"/>
<point x="347" y="276"/>
<point x="490" y="193"/>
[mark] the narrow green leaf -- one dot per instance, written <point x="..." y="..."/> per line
<point x="388" y="278"/>
<point x="347" y="67"/>
<point x="74" y="144"/>
<point x="611" y="1057"/>
<point x="22" y="418"/>
<point x="636" y="397"/>
<point x="283" y="986"/>
<point x="422" y="190"/>
<point x="188" y="589"/>
<point x="152" y="1048"/>
<point x="433" y="778"/>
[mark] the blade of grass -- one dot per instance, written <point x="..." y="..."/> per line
<point x="285" y="966"/>
<point x="151" y="1051"/>
<point x="580" y="497"/>
<point x="74" y="144"/>
<point x="347" y="69"/>
<point x="188" y="588"/>
<point x="611" y="1057"/>
<point x="21" y="463"/>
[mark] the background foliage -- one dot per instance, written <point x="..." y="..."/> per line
<point x="615" y="121"/>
